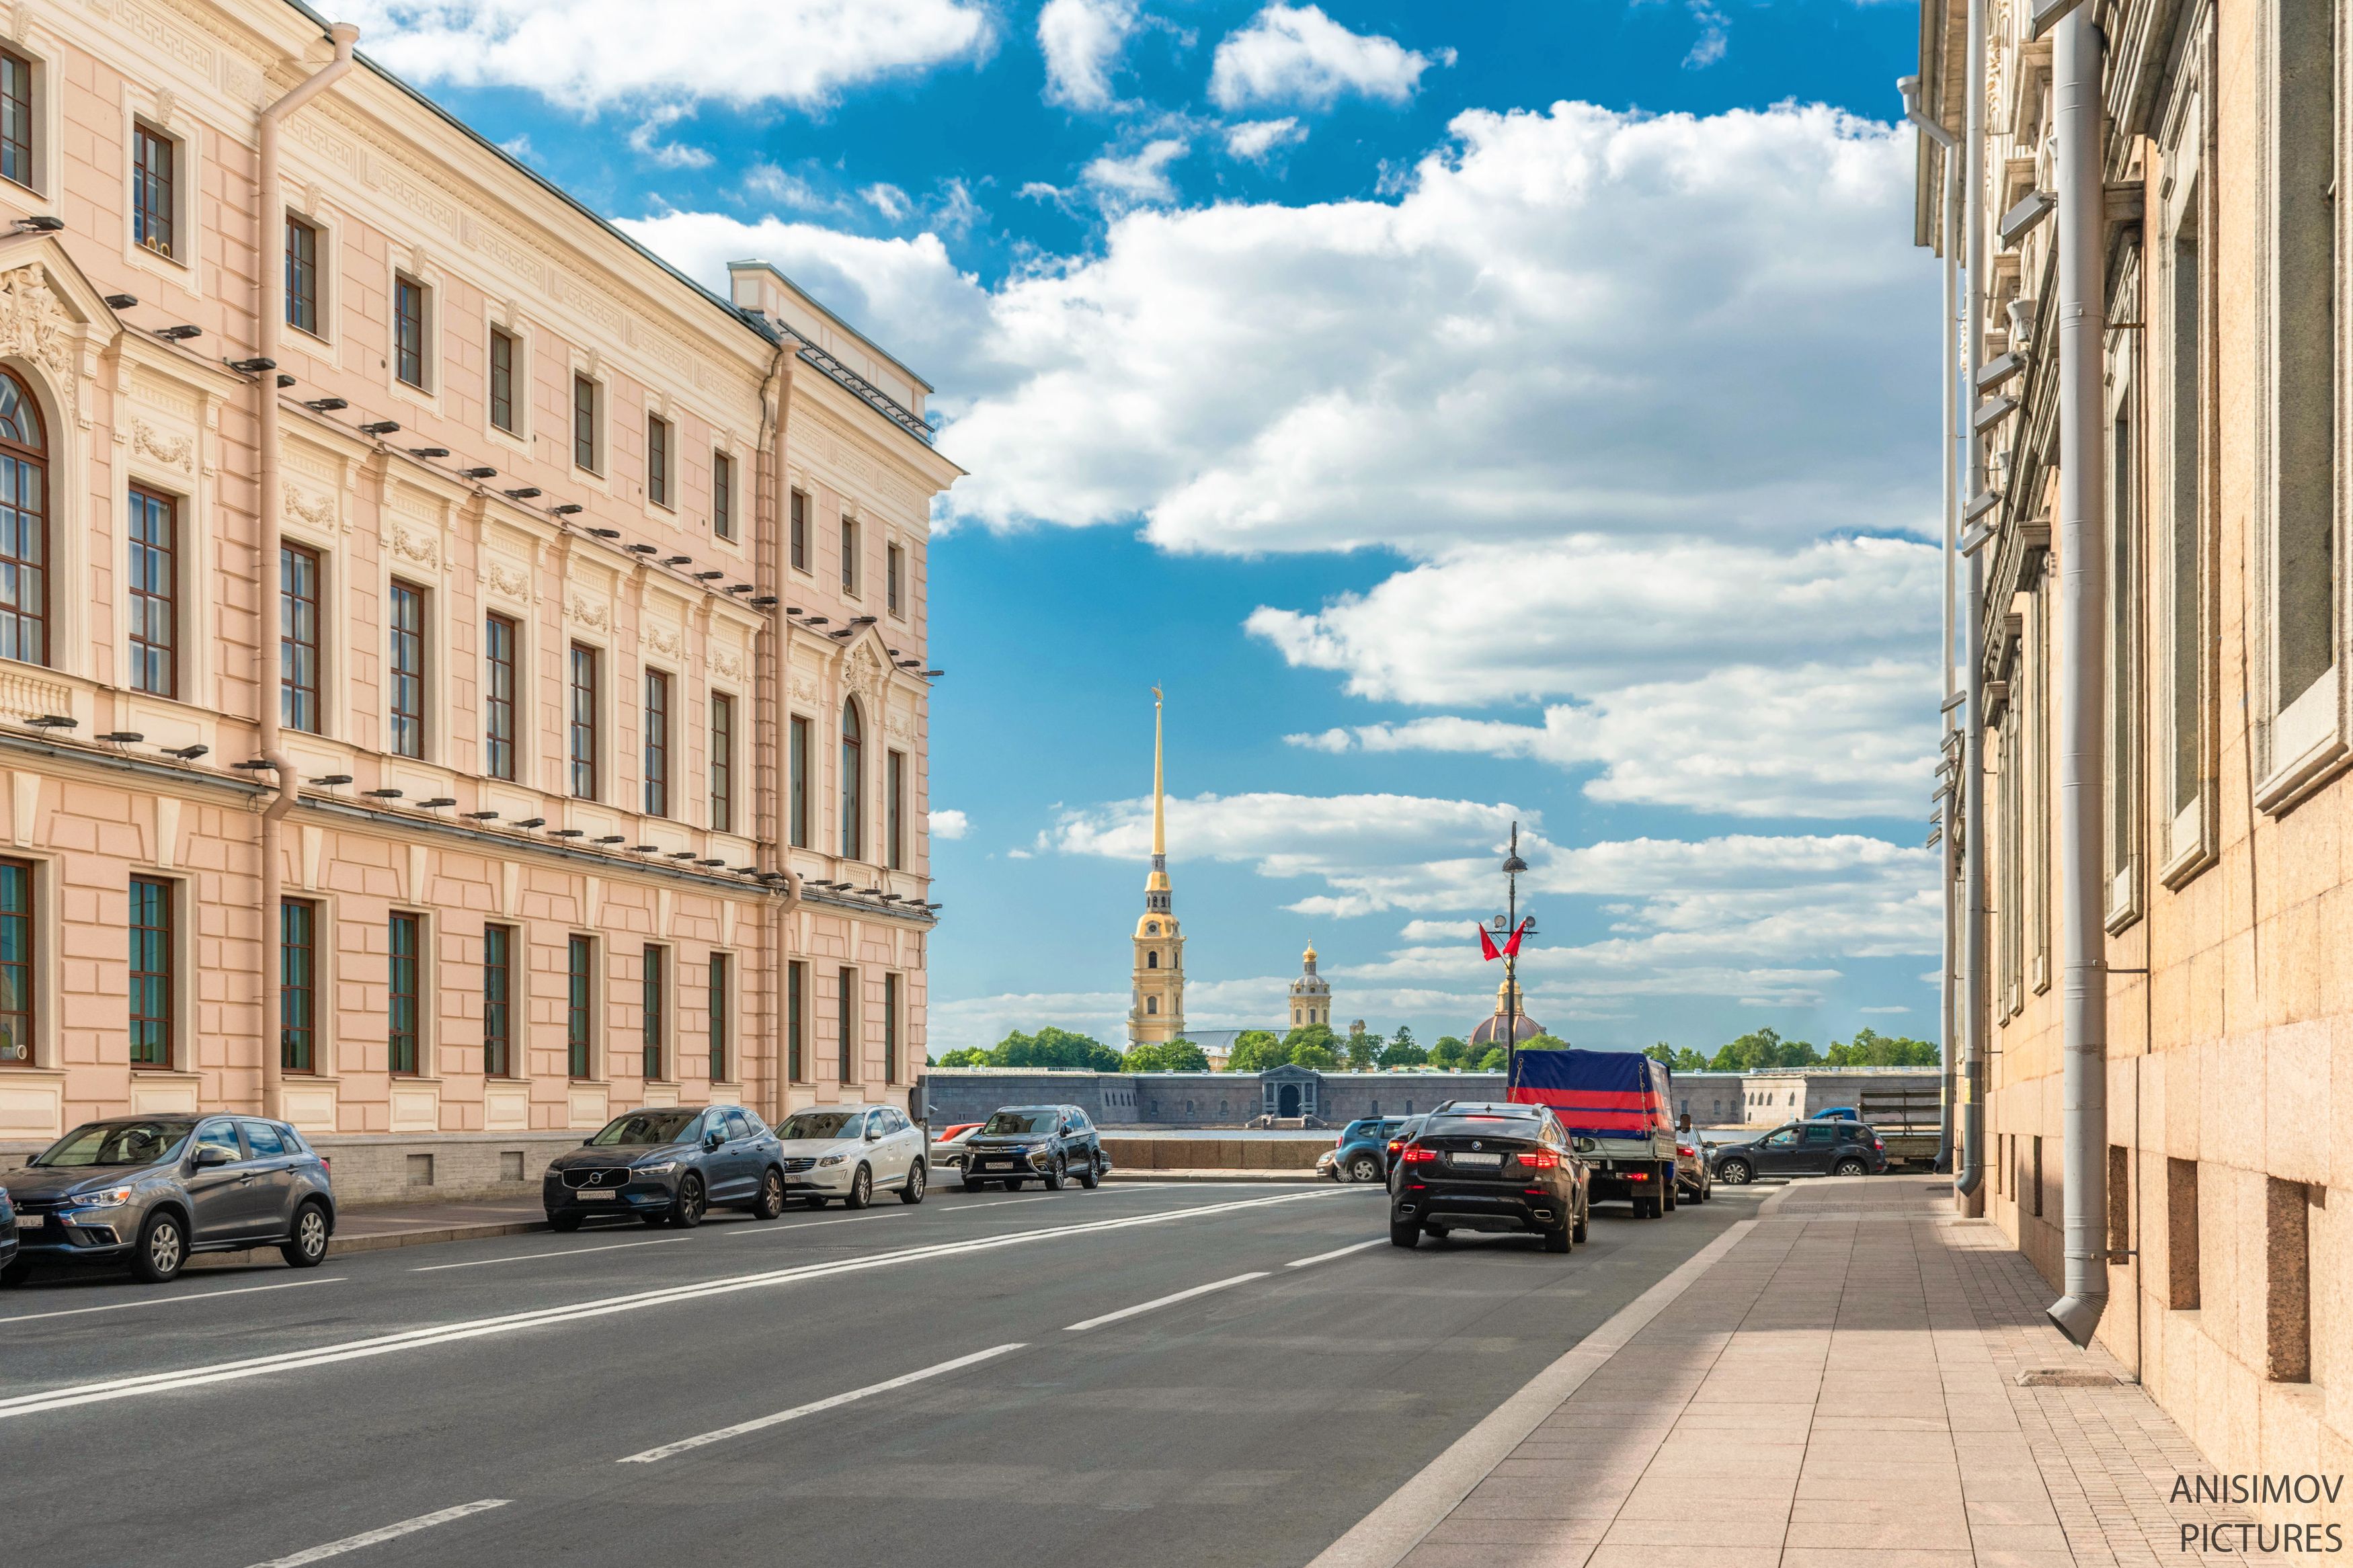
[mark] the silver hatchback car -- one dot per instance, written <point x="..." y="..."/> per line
<point x="150" y="1190"/>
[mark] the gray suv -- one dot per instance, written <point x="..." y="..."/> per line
<point x="150" y="1190"/>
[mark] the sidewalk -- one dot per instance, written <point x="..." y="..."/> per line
<point x="1841" y="1386"/>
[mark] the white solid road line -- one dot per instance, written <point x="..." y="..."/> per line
<point x="172" y="1301"/>
<point x="514" y="1322"/>
<point x="1328" y="1256"/>
<point x="1163" y="1301"/>
<point x="811" y="1408"/>
<point x="542" y="1257"/>
<point x="389" y="1532"/>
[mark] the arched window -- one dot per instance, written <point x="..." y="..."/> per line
<point x="1152" y="1003"/>
<point x="853" y="785"/>
<point x="1151" y="961"/>
<point x="24" y="526"/>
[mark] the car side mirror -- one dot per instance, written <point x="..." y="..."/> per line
<point x="212" y="1154"/>
<point x="1585" y="1145"/>
<point x="713" y="1139"/>
<point x="874" y="1135"/>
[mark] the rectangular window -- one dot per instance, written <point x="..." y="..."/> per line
<point x="658" y="460"/>
<point x="498" y="1000"/>
<point x="583" y="726"/>
<point x="717" y="1003"/>
<point x="405" y="623"/>
<point x="2303" y="565"/>
<point x="301" y="274"/>
<point x="503" y="380"/>
<point x="151" y="973"/>
<point x="154" y="586"/>
<point x="722" y="762"/>
<point x="800" y="551"/>
<point x="585" y="453"/>
<point x="579" y="1002"/>
<point x="722" y="495"/>
<point x="846" y="1023"/>
<point x="2183" y="483"/>
<point x="889" y="1028"/>
<point x="2125" y="693"/>
<point x="2181" y="1275"/>
<point x="408" y="330"/>
<point x="649" y="1019"/>
<point x="19" y="968"/>
<point x="16" y="118"/>
<point x="656" y="721"/>
<point x="298" y="636"/>
<point x="298" y="986"/>
<point x="849" y="556"/>
<point x="154" y="190"/>
<point x="795" y="1021"/>
<point x="499" y="633"/>
<point x="894" y="800"/>
<point x="402" y="989"/>
<point x="894" y="568"/>
<point x="796" y="811"/>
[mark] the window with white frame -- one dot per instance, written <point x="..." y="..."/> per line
<point x="2179" y="424"/>
<point x="2127" y="689"/>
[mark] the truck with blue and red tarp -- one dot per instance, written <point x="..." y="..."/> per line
<point x="1614" y="1103"/>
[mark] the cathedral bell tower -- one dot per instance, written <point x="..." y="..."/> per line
<point x="1157" y="1011"/>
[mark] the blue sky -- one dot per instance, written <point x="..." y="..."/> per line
<point x="1466" y="412"/>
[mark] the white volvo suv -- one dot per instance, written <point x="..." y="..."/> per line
<point x="848" y="1151"/>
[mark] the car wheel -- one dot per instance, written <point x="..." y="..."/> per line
<point x="564" y="1222"/>
<point x="861" y="1189"/>
<point x="687" y="1212"/>
<point x="1556" y="1240"/>
<point x="162" y="1248"/>
<point x="771" y="1195"/>
<point x="1058" y="1175"/>
<point x="306" y="1247"/>
<point x="1668" y="1198"/>
<point x="912" y="1192"/>
<point x="1736" y="1172"/>
<point x="1584" y="1217"/>
<point x="1091" y="1174"/>
<point x="1849" y="1168"/>
<point x="1363" y="1168"/>
<point x="1403" y="1233"/>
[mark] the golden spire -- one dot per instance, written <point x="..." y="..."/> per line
<point x="1159" y="813"/>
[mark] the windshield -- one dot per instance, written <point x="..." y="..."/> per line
<point x="644" y="1127"/>
<point x="1017" y="1123"/>
<point x="822" y="1125"/>
<point x="118" y="1143"/>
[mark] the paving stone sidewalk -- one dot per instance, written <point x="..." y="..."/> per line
<point x="1842" y="1389"/>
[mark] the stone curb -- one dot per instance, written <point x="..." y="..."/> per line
<point x="1148" y="1175"/>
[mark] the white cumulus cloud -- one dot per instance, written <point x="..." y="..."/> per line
<point x="1081" y="41"/>
<point x="591" y="53"/>
<point x="1254" y="139"/>
<point x="1296" y="54"/>
<point x="950" y="824"/>
<point x="1132" y="179"/>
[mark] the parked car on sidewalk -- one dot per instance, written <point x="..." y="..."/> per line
<point x="667" y="1166"/>
<point x="849" y="1151"/>
<point x="947" y="1149"/>
<point x="1816" y="1148"/>
<point x="150" y="1191"/>
<point x="1491" y="1167"/>
<point x="1361" y="1152"/>
<point x="1045" y="1143"/>
<point x="7" y="1234"/>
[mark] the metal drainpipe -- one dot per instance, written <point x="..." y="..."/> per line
<point x="772" y="805"/>
<point x="2082" y="673"/>
<point x="268" y="220"/>
<point x="1948" y="219"/>
<point x="1969" y="1181"/>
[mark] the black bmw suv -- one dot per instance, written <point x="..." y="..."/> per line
<point x="1475" y="1166"/>
<point x="1044" y="1143"/>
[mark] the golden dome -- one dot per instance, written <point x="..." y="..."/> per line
<point x="1151" y="926"/>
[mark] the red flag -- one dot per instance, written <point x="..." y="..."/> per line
<point x="1486" y="946"/>
<point x="1512" y="948"/>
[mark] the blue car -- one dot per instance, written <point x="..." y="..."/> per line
<point x="669" y="1165"/>
<point x="1361" y="1152"/>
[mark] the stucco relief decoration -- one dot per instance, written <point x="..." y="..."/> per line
<point x="804" y="688"/>
<point x="172" y="451"/>
<point x="317" y="511"/>
<point x="411" y="545"/>
<point x="900" y="725"/>
<point x="665" y="639"/>
<point x="861" y="672"/>
<point x="726" y="662"/>
<point x="33" y="326"/>
<point x="510" y="580"/>
<point x="588" y="613"/>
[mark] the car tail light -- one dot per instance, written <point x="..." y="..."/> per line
<point x="1415" y="1154"/>
<point x="1638" y="1175"/>
<point x="1686" y="1151"/>
<point x="1879" y="1146"/>
<point x="1540" y="1159"/>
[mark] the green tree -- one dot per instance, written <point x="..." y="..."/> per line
<point x="1763" y="1048"/>
<point x="1312" y="1034"/>
<point x="1256" y="1050"/>
<point x="1401" y="1052"/>
<point x="969" y="1056"/>
<point x="1184" y="1055"/>
<point x="1662" y="1052"/>
<point x="1053" y="1048"/>
<point x="1364" y="1050"/>
<point x="1543" y="1043"/>
<point x="1497" y="1059"/>
<point x="1145" y="1058"/>
<point x="1448" y="1053"/>
<point x="1869" y="1049"/>
<point x="1314" y="1053"/>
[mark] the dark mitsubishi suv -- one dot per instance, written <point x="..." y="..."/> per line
<point x="1490" y="1167"/>
<point x="1044" y="1143"/>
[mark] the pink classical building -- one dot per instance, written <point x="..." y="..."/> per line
<point x="459" y="676"/>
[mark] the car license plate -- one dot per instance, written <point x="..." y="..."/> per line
<point x="589" y="1197"/>
<point x="1485" y="1162"/>
<point x="30" y="1221"/>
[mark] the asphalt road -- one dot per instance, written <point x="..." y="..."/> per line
<point x="611" y="1397"/>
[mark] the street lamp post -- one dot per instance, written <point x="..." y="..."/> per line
<point x="1513" y="867"/>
